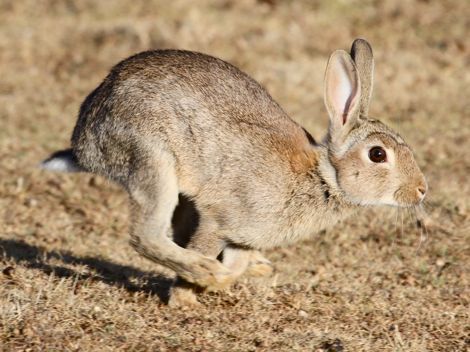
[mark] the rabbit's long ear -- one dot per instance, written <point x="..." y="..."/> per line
<point x="361" y="53"/>
<point x="342" y="93"/>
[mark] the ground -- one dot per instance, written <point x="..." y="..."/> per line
<point x="380" y="281"/>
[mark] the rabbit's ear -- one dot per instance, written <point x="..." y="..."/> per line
<point x="342" y="92"/>
<point x="361" y="53"/>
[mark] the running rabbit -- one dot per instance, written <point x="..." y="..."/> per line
<point x="170" y="123"/>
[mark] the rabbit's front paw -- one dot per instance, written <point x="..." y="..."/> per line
<point x="259" y="266"/>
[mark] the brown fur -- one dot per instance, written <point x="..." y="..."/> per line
<point x="166" y="124"/>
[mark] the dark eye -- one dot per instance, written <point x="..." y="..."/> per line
<point x="377" y="155"/>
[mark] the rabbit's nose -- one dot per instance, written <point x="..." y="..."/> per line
<point x="421" y="190"/>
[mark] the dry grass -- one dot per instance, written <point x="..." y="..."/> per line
<point x="69" y="280"/>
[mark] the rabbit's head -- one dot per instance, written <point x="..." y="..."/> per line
<point x="373" y="164"/>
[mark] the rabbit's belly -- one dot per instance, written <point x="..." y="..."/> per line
<point x="286" y="232"/>
<point x="306" y="230"/>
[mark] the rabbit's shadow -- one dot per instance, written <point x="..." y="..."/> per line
<point x="185" y="222"/>
<point x="36" y="257"/>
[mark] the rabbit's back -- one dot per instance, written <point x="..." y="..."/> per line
<point x="214" y="119"/>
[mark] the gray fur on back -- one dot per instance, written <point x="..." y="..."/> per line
<point x="232" y="143"/>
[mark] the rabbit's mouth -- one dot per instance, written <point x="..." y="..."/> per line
<point x="411" y="195"/>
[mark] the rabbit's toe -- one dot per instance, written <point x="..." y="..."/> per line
<point x="259" y="266"/>
<point x="222" y="283"/>
<point x="182" y="297"/>
<point x="207" y="272"/>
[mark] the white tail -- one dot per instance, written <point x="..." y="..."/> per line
<point x="61" y="161"/>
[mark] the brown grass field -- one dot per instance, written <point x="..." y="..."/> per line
<point x="69" y="281"/>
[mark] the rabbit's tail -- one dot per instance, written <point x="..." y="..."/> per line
<point x="62" y="161"/>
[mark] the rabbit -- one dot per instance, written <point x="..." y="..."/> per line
<point x="168" y="123"/>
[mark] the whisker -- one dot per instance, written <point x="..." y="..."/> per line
<point x="425" y="228"/>
<point x="426" y="204"/>
<point x="420" y="223"/>
<point x="396" y="227"/>
<point x="403" y="218"/>
<point x="420" y="209"/>
<point x="401" y="215"/>
<point x="399" y="122"/>
<point x="410" y="215"/>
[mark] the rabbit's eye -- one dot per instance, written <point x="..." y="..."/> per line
<point x="377" y="155"/>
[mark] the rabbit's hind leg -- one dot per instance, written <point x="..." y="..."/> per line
<point x="153" y="191"/>
<point x="205" y="240"/>
<point x="238" y="260"/>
